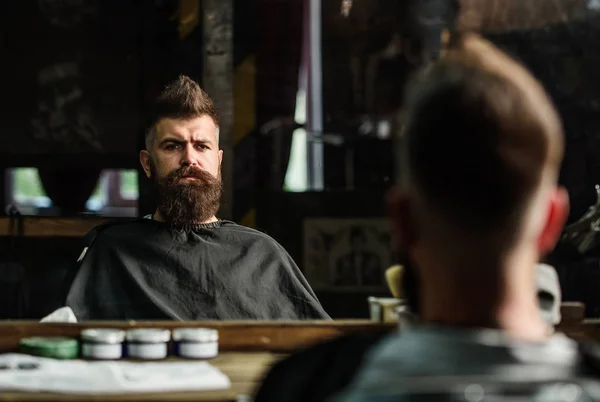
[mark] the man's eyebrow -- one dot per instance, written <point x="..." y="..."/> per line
<point x="180" y="141"/>
<point x="172" y="139"/>
<point x="204" y="141"/>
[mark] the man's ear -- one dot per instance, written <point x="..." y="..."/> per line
<point x="220" y="156"/>
<point x="145" y="162"/>
<point x="401" y="223"/>
<point x="558" y="211"/>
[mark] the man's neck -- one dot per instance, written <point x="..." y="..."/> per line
<point x="158" y="216"/>
<point x="479" y="299"/>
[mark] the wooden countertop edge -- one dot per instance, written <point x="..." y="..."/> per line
<point x="273" y="336"/>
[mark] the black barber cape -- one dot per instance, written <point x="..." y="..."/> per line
<point x="144" y="269"/>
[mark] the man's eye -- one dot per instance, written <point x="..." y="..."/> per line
<point x="202" y="146"/>
<point x="171" y="147"/>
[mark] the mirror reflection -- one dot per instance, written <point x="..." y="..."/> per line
<point x="206" y="160"/>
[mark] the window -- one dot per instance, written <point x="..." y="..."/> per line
<point x="296" y="178"/>
<point x="305" y="168"/>
<point x="116" y="193"/>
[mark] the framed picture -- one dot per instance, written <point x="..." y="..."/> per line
<point x="346" y="254"/>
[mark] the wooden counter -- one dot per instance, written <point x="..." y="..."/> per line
<point x="247" y="349"/>
<point x="237" y="336"/>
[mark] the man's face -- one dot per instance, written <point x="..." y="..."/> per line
<point x="179" y="143"/>
<point x="184" y="162"/>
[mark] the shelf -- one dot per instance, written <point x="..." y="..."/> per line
<point x="53" y="227"/>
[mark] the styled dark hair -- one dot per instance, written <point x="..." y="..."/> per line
<point x="181" y="99"/>
<point x="479" y="133"/>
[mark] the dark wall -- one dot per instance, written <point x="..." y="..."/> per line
<point x="80" y="74"/>
<point x="284" y="217"/>
<point x="565" y="57"/>
<point x="72" y="74"/>
<point x="33" y="271"/>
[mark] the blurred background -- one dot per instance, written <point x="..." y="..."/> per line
<point x="309" y="91"/>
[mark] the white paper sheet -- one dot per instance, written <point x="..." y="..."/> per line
<point x="63" y="314"/>
<point x="114" y="377"/>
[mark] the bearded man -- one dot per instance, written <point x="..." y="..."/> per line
<point x="182" y="262"/>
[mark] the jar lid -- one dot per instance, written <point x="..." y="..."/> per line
<point x="148" y="335"/>
<point x="195" y="334"/>
<point x="103" y="335"/>
<point x="53" y="347"/>
<point x="384" y="300"/>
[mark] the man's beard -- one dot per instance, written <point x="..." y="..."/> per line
<point x="184" y="202"/>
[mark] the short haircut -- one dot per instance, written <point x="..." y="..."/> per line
<point x="181" y="99"/>
<point x="479" y="133"/>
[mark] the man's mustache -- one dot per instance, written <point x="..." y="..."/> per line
<point x="187" y="171"/>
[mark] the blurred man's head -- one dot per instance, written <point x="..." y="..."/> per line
<point x="482" y="147"/>
<point x="182" y="155"/>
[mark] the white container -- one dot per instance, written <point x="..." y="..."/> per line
<point x="196" y="343"/>
<point x="148" y="343"/>
<point x="383" y="309"/>
<point x="102" y="343"/>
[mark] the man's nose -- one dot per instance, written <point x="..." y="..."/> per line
<point x="188" y="157"/>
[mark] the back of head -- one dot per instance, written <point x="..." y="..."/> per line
<point x="481" y="139"/>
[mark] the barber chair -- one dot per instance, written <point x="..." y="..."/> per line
<point x="577" y="259"/>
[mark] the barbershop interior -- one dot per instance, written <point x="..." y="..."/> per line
<point x="300" y="200"/>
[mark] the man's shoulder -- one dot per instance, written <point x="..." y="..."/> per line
<point x="249" y="234"/>
<point x="392" y="375"/>
<point x="113" y="228"/>
<point x="320" y="371"/>
<point x="590" y="356"/>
